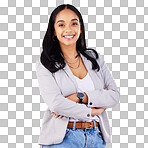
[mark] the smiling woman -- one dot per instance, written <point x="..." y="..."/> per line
<point x="67" y="29"/>
<point x="76" y="85"/>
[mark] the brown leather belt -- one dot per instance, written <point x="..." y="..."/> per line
<point x="86" y="125"/>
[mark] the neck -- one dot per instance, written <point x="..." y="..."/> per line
<point x="69" y="52"/>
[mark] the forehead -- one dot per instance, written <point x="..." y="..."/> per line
<point x="66" y="15"/>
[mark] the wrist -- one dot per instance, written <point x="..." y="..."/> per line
<point x="93" y="112"/>
<point x="78" y="100"/>
<point x="80" y="97"/>
<point x="85" y="99"/>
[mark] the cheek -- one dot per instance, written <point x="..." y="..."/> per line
<point x="78" y="31"/>
<point x="57" y="30"/>
<point x="59" y="33"/>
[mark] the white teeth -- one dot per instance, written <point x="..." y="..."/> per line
<point x="68" y="36"/>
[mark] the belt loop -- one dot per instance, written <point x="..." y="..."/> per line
<point x="94" y="125"/>
<point x="74" y="125"/>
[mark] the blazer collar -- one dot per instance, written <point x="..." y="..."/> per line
<point x="88" y="66"/>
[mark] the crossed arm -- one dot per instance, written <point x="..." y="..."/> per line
<point x="67" y="106"/>
<point x="73" y="97"/>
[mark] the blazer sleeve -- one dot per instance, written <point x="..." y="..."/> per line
<point x="55" y="101"/>
<point x="101" y="97"/>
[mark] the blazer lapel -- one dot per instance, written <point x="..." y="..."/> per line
<point x="70" y="74"/>
<point x="92" y="73"/>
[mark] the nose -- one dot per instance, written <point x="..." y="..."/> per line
<point x="68" y="29"/>
<point x="68" y="32"/>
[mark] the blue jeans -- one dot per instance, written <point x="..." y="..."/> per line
<point x="81" y="138"/>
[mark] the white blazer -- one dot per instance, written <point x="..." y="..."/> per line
<point x="54" y="87"/>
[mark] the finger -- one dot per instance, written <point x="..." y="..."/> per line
<point x="57" y="116"/>
<point x="61" y="116"/>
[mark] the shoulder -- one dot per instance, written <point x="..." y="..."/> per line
<point x="40" y="68"/>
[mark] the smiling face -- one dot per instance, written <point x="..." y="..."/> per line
<point x="67" y="27"/>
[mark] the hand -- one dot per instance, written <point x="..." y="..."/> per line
<point x="56" y="115"/>
<point x="97" y="111"/>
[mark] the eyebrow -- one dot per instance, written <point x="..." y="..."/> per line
<point x="63" y="20"/>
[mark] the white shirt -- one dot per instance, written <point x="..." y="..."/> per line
<point x="85" y="84"/>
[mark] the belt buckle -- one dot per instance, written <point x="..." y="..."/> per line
<point x="90" y="126"/>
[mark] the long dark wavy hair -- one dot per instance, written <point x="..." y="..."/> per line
<point x="51" y="56"/>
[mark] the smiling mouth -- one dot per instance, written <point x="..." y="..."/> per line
<point x="68" y="37"/>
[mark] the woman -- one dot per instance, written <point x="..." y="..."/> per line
<point x="76" y="85"/>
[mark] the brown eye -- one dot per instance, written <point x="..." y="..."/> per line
<point x="75" y="23"/>
<point x="60" y="24"/>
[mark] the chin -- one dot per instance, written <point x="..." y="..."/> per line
<point x="68" y="43"/>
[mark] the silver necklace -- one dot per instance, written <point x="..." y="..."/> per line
<point x="74" y="62"/>
<point x="69" y="62"/>
<point x="77" y="66"/>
